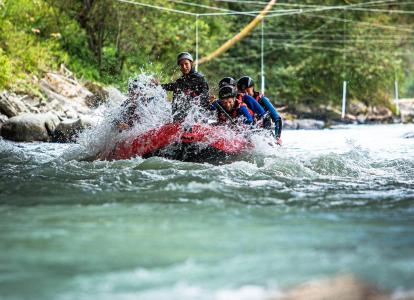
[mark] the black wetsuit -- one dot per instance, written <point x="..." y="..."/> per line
<point x="190" y="89"/>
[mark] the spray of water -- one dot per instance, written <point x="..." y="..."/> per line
<point x="151" y="109"/>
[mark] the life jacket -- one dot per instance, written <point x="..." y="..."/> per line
<point x="222" y="118"/>
<point x="258" y="96"/>
<point x="239" y="99"/>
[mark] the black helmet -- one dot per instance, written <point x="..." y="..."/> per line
<point x="184" y="55"/>
<point x="244" y="83"/>
<point x="227" y="81"/>
<point x="227" y="91"/>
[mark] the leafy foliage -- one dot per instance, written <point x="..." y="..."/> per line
<point x="307" y="55"/>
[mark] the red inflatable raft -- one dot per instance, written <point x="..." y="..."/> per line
<point x="196" y="143"/>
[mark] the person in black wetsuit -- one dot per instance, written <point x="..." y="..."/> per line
<point x="188" y="90"/>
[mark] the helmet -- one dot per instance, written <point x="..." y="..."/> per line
<point x="227" y="91"/>
<point x="184" y="55"/>
<point x="227" y="81"/>
<point x="244" y="83"/>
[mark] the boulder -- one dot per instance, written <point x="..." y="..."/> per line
<point x="303" y="124"/>
<point x="361" y="119"/>
<point x="407" y="110"/>
<point x="310" y="124"/>
<point x="339" y="288"/>
<point x="357" y="108"/>
<point x="68" y="130"/>
<point x="30" y="127"/>
<point x="379" y="114"/>
<point x="65" y="86"/>
<point x="11" y="105"/>
<point x="290" y="124"/>
<point x="408" y="135"/>
<point x="99" y="95"/>
<point x="3" y="118"/>
<point x="63" y="106"/>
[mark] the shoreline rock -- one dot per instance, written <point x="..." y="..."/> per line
<point x="306" y="124"/>
<point x="65" y="111"/>
<point x="406" y="110"/>
<point x="11" y="105"/>
<point x="30" y="127"/>
<point x="68" y="130"/>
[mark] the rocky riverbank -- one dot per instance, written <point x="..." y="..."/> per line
<point x="65" y="107"/>
<point x="325" y="116"/>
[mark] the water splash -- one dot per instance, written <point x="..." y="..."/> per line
<point x="151" y="109"/>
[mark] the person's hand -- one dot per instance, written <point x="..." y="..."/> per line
<point x="279" y="141"/>
<point x="123" y="126"/>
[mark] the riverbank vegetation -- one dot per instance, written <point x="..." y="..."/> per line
<point x="307" y="54"/>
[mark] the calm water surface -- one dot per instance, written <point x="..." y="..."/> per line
<point x="326" y="203"/>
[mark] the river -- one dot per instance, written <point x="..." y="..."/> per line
<point x="328" y="202"/>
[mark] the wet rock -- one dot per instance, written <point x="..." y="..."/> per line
<point x="290" y="124"/>
<point x="11" y="105"/>
<point x="99" y="95"/>
<point x="64" y="86"/>
<point x="30" y="127"/>
<point x="65" y="96"/>
<point x="361" y="119"/>
<point x="3" y="118"/>
<point x="70" y="112"/>
<point x="379" y="115"/>
<point x="303" y="124"/>
<point x="407" y="110"/>
<point x="357" y="108"/>
<point x="408" y="135"/>
<point x="338" y="288"/>
<point x="68" y="130"/>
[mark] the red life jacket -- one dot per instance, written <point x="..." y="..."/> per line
<point x="221" y="116"/>
<point x="239" y="98"/>
<point x="257" y="96"/>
